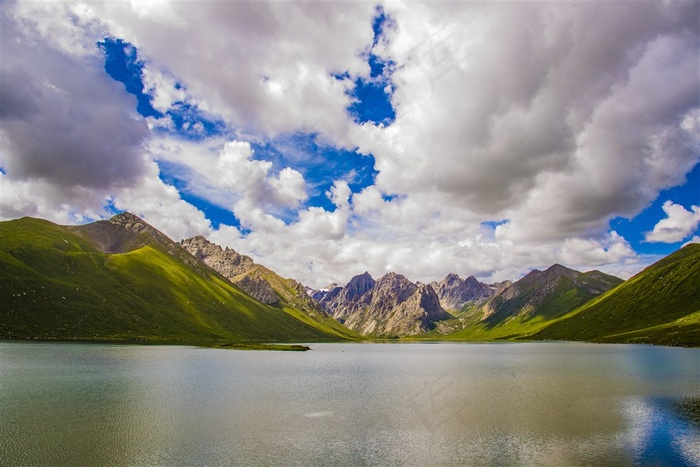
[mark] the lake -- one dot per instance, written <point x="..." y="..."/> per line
<point x="349" y="404"/>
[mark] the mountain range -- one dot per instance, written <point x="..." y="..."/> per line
<point x="122" y="279"/>
<point x="391" y="306"/>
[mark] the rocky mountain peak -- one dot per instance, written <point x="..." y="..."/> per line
<point x="123" y="233"/>
<point x="500" y="286"/>
<point x="429" y="301"/>
<point x="471" y="280"/>
<point x="559" y="270"/>
<point x="394" y="285"/>
<point x="226" y="262"/>
<point x="126" y="218"/>
<point x="239" y="269"/>
<point x="135" y="224"/>
<point x="359" y="285"/>
<point x="454" y="292"/>
<point x="553" y="272"/>
<point x="450" y="281"/>
<point x="392" y="305"/>
<point x="549" y="293"/>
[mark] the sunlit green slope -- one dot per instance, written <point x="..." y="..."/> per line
<point x="531" y="303"/>
<point x="660" y="305"/>
<point x="54" y="283"/>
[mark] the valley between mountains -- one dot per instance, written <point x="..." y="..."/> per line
<point x="121" y="279"/>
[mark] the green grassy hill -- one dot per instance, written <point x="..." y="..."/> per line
<point x="530" y="304"/>
<point x="58" y="282"/>
<point x="547" y="294"/>
<point x="660" y="305"/>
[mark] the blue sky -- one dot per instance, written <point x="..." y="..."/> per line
<point x="687" y="195"/>
<point x="320" y="163"/>
<point x="424" y="138"/>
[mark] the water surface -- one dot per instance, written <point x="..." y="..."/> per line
<point x="348" y="404"/>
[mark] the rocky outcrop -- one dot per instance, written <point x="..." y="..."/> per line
<point x="254" y="279"/>
<point x="225" y="261"/>
<point x="241" y="270"/>
<point x="390" y="306"/>
<point x="455" y="292"/>
<point x="256" y="286"/>
<point x="121" y="234"/>
<point x="499" y="286"/>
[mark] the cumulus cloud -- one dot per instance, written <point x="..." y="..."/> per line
<point x="678" y="224"/>
<point x="521" y="128"/>
<point x="64" y="120"/>
<point x="501" y="107"/>
<point x="267" y="67"/>
<point x="161" y="205"/>
<point x="163" y="89"/>
<point x="227" y="174"/>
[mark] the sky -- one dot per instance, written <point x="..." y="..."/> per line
<point x="325" y="139"/>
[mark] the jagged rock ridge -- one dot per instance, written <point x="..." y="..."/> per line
<point x="389" y="306"/>
<point x="239" y="269"/>
<point x="455" y="292"/>
<point x="254" y="279"/>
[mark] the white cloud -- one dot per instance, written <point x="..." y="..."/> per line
<point x="162" y="89"/>
<point x="340" y="193"/>
<point x="540" y="123"/>
<point x="289" y="186"/>
<point x="40" y="198"/>
<point x="695" y="239"/>
<point x="678" y="224"/>
<point x="161" y="205"/>
<point x="544" y="118"/>
<point x="266" y="67"/>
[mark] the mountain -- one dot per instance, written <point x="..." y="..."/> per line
<point x="260" y="282"/>
<point x="532" y="302"/>
<point x="548" y="294"/>
<point x="455" y="292"/>
<point x="498" y="286"/>
<point x="390" y="306"/>
<point x="122" y="279"/>
<point x="660" y="305"/>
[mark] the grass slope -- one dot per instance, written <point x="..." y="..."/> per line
<point x="549" y="294"/>
<point x="660" y="305"/>
<point x="55" y="284"/>
<point x="530" y="304"/>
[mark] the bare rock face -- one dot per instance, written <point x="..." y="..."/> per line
<point x="226" y="261"/>
<point x="390" y="306"/>
<point x="499" y="286"/>
<point x="241" y="270"/>
<point x="121" y="234"/>
<point x="455" y="292"/>
<point x="342" y="302"/>
<point x="358" y="286"/>
<point x="254" y="279"/>
<point x="257" y="287"/>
